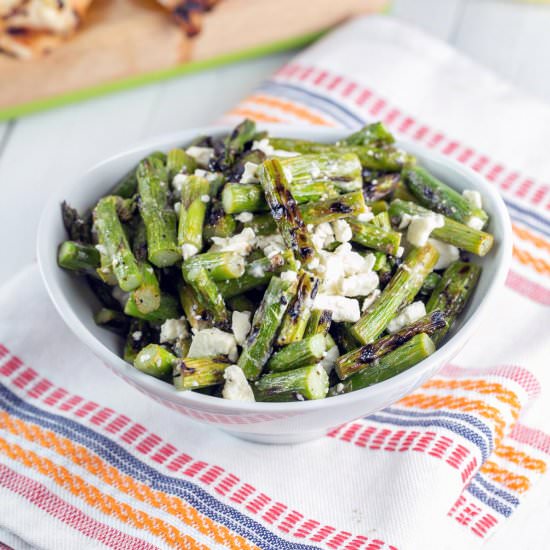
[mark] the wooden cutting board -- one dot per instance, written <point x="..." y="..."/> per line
<point x="127" y="42"/>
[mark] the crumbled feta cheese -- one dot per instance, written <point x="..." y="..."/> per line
<point x="329" y="359"/>
<point x="370" y="299"/>
<point x="205" y="198"/>
<point x="245" y="217"/>
<point x="177" y="207"/>
<point x="342" y="231"/>
<point x="473" y="198"/>
<point x="322" y="236"/>
<point x="270" y="244"/>
<point x="257" y="271"/>
<point x="289" y="276"/>
<point x="339" y="388"/>
<point x="172" y="330"/>
<point x="213" y="341"/>
<point x="409" y="315"/>
<point x="400" y="252"/>
<point x="236" y="385"/>
<point x="249" y="173"/>
<point x="405" y="221"/>
<point x="136" y="335"/>
<point x="359" y="285"/>
<point x="421" y="227"/>
<point x="366" y="216"/>
<point x="188" y="250"/>
<point x="475" y="223"/>
<point x="264" y="146"/>
<point x="240" y="325"/>
<point x="178" y="181"/>
<point x="343" y="309"/>
<point x="447" y="253"/>
<point x="101" y="249"/>
<point x="202" y="155"/>
<point x="241" y="243"/>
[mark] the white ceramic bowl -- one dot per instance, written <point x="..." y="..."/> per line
<point x="262" y="422"/>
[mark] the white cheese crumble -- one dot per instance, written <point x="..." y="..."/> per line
<point x="136" y="335"/>
<point x="257" y="271"/>
<point x="202" y="155"/>
<point x="408" y="315"/>
<point x="188" y="250"/>
<point x="249" y="173"/>
<point x="205" y="198"/>
<point x="264" y="146"/>
<point x="177" y="207"/>
<point x="421" y="227"/>
<point x="329" y="359"/>
<point x="241" y="243"/>
<point x="323" y="236"/>
<point x="244" y="217"/>
<point x="359" y="285"/>
<point x="475" y="223"/>
<point x="271" y="245"/>
<point x="240" y="326"/>
<point x="342" y="231"/>
<point x="405" y="221"/>
<point x="289" y="276"/>
<point x="366" y="216"/>
<point x="473" y="198"/>
<point x="447" y="253"/>
<point x="213" y="341"/>
<point x="101" y="249"/>
<point x="343" y="309"/>
<point x="400" y="252"/>
<point x="172" y="330"/>
<point x="370" y="299"/>
<point x="177" y="182"/>
<point x="236" y="385"/>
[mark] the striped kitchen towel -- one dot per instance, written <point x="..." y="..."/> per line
<point x="87" y="461"/>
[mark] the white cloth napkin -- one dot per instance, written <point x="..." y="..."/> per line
<point x="87" y="461"/>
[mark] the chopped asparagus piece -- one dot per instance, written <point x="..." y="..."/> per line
<point x="77" y="257"/>
<point x="179" y="162"/>
<point x="192" y="212"/>
<point x="168" y="309"/>
<point x="297" y="315"/>
<point x="160" y="223"/>
<point x="265" y="324"/>
<point x="343" y="170"/>
<point x="207" y="292"/>
<point x="381" y="186"/>
<point x="319" y="322"/>
<point x="455" y="233"/>
<point x="404" y="357"/>
<point x="452" y="292"/>
<point x="371" y="134"/>
<point x="199" y="372"/>
<point x="439" y="197"/>
<point x="285" y="210"/>
<point x="298" y="354"/>
<point x="359" y="359"/>
<point x="115" y="246"/>
<point x="371" y="236"/>
<point x="243" y="197"/>
<point x="332" y="209"/>
<point x="155" y="360"/>
<point x="294" y="385"/>
<point x="400" y="291"/>
<point x="221" y="266"/>
<point x="147" y="295"/>
<point x="218" y="223"/>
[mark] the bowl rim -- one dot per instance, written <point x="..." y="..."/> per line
<point x="164" y="390"/>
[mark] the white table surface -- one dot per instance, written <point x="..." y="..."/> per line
<point x="39" y="151"/>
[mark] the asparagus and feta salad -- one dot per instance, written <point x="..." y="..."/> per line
<point x="257" y="268"/>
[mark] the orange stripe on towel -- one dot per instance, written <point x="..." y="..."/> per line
<point x="527" y="259"/>
<point x="519" y="457"/>
<point x="82" y="457"/>
<point x="288" y="107"/>
<point x="526" y="235"/>
<point x="423" y="401"/>
<point x="258" y="116"/>
<point x="516" y="482"/>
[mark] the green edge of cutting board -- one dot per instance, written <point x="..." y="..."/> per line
<point x="156" y="76"/>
